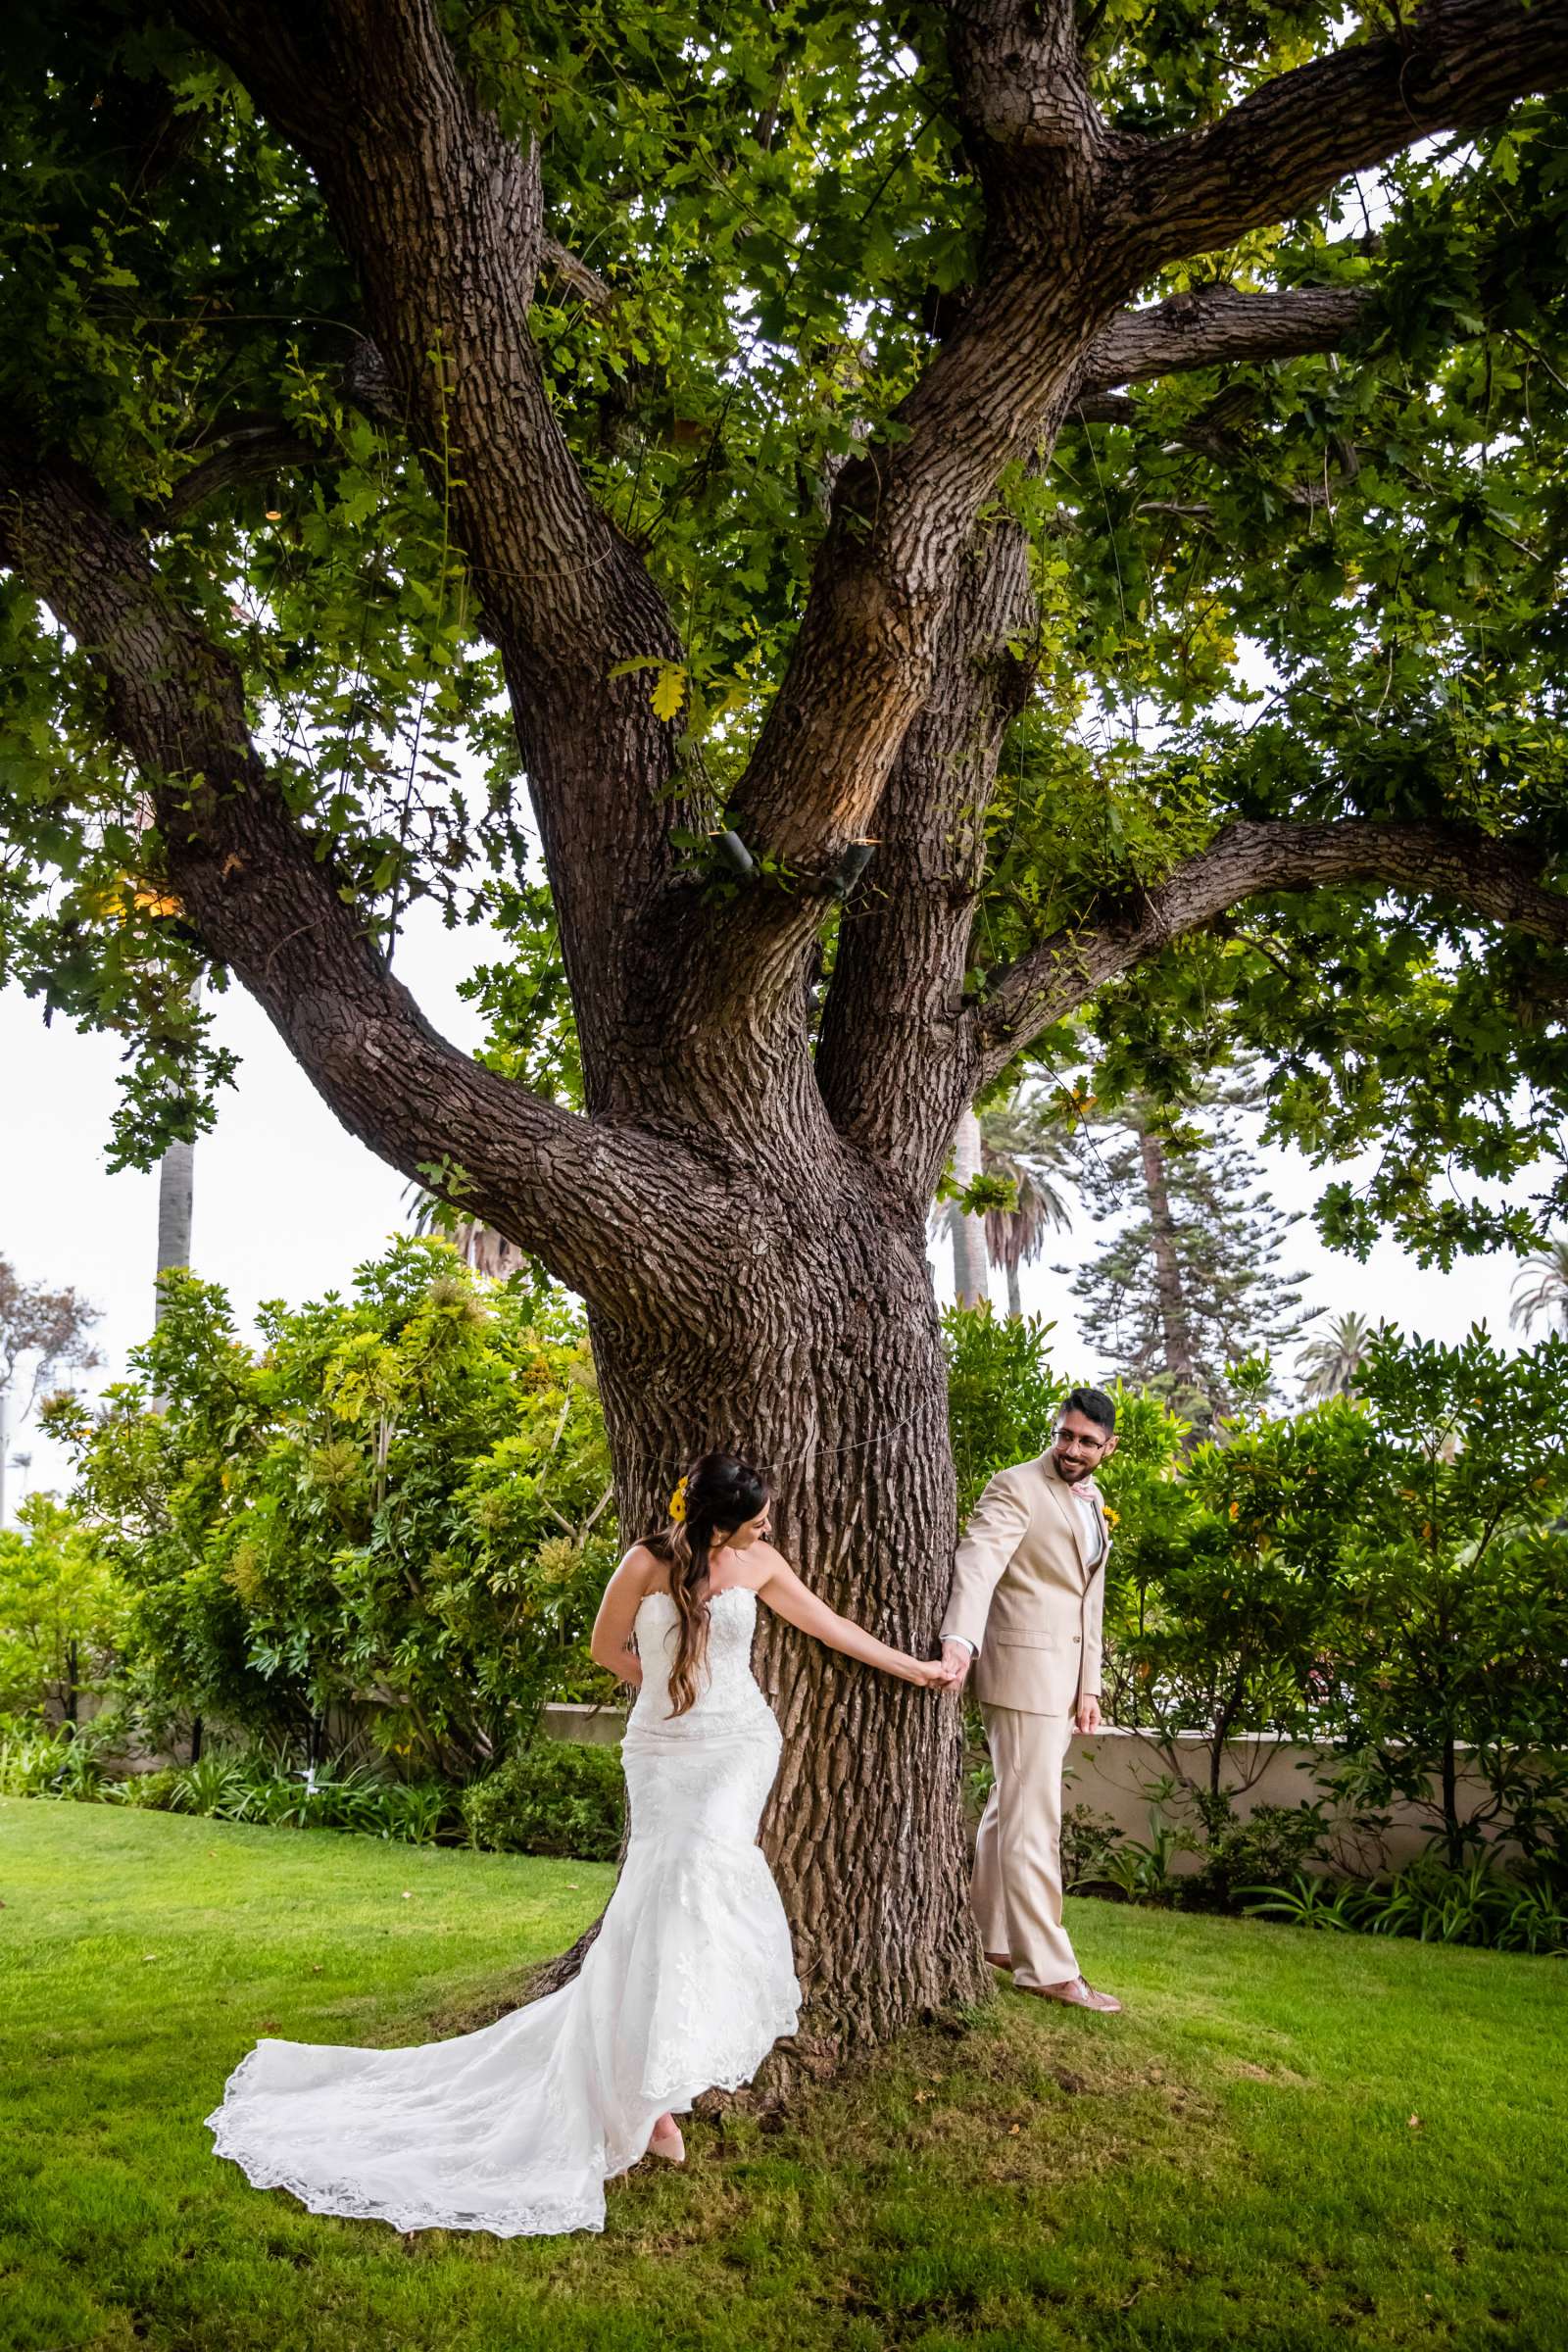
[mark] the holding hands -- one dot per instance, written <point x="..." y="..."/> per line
<point x="928" y="1673"/>
<point x="946" y="1672"/>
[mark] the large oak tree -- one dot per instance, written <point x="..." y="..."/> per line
<point x="802" y="448"/>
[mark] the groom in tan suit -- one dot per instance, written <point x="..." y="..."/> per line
<point x="1028" y="1599"/>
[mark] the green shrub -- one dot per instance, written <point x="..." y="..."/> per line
<point x="398" y="1514"/>
<point x="39" y="1761"/>
<point x="1141" y="1872"/>
<point x="62" y="1611"/>
<point x="31" y="1762"/>
<point x="414" y="1812"/>
<point x="551" y="1798"/>
<point x="1089" y="1841"/>
<point x="216" y="1784"/>
<point x="144" y="1791"/>
<point x="1271" y="1845"/>
<point x="1002" y="1394"/>
<point x="1431" y="1902"/>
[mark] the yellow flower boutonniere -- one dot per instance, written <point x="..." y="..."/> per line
<point x="678" y="1503"/>
<point x="1112" y="1518"/>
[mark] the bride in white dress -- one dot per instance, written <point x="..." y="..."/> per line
<point x="689" y="1983"/>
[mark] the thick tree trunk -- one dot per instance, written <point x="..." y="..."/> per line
<point x="832" y="1382"/>
<point x="743" y="1222"/>
<point x="1174" y="1322"/>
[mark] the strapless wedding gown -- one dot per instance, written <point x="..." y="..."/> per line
<point x="690" y="1981"/>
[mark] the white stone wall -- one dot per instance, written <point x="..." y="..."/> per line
<point x="1111" y="1773"/>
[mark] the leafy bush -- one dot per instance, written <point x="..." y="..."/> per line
<point x="1002" y="1394"/>
<point x="1271" y="1842"/>
<point x="412" y="1812"/>
<point x="258" y="1785"/>
<point x="1446" y="1646"/>
<point x="398" y="1514"/>
<point x="551" y="1798"/>
<point x="144" y="1791"/>
<point x="62" y="1611"/>
<point x="216" y="1784"/>
<point x="263" y="1786"/>
<point x="1089" y="1843"/>
<point x="1390" y="1572"/>
<point x="1141" y="1872"/>
<point x="44" y="1763"/>
<point x="32" y="1761"/>
<point x="1428" y="1899"/>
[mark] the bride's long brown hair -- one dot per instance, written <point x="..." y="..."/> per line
<point x="717" y="1492"/>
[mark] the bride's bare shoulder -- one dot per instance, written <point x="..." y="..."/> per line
<point x="642" y="1568"/>
<point x="770" y="1563"/>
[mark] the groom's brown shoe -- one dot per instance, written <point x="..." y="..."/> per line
<point x="1074" y="1995"/>
<point x="1000" y="1959"/>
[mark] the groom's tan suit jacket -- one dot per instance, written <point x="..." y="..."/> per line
<point x="1025" y="1595"/>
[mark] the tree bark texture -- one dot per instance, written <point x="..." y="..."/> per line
<point x="743" y="1206"/>
<point x="831" y="1379"/>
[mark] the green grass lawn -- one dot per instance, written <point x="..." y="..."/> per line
<point x="1234" y="2163"/>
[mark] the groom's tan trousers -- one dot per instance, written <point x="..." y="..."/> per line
<point x="1017" y="1863"/>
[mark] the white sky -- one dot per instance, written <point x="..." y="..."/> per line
<point x="288" y="1202"/>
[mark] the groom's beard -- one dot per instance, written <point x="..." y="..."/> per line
<point x="1073" y="1472"/>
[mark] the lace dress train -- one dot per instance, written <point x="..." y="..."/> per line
<point x="515" y="2129"/>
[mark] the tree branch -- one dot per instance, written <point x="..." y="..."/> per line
<point x="440" y="212"/>
<point x="263" y="901"/>
<point x="1217" y="326"/>
<point x="1076" y="216"/>
<point x="1497" y="879"/>
<point x="886" y="1063"/>
<point x="559" y="262"/>
<point x="1454" y="64"/>
<point x="903" y="512"/>
<point x="249" y="453"/>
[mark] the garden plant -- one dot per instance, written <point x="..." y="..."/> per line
<point x="724" y="497"/>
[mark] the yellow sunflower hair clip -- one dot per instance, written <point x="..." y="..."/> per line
<point x="678" y="1503"/>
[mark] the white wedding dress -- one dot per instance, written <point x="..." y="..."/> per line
<point x="690" y="1981"/>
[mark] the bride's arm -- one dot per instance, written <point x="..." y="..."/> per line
<point x="610" y="1644"/>
<point x="789" y="1598"/>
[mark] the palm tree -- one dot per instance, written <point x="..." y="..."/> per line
<point x="1329" y="1364"/>
<point x="176" y="1172"/>
<point x="480" y="1245"/>
<point x="967" y="1233"/>
<point x="1547" y="1294"/>
<point x="1023" y="1140"/>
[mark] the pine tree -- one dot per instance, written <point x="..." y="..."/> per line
<point x="1190" y="1284"/>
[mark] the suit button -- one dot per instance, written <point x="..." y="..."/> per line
<point x="1077" y="1637"/>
